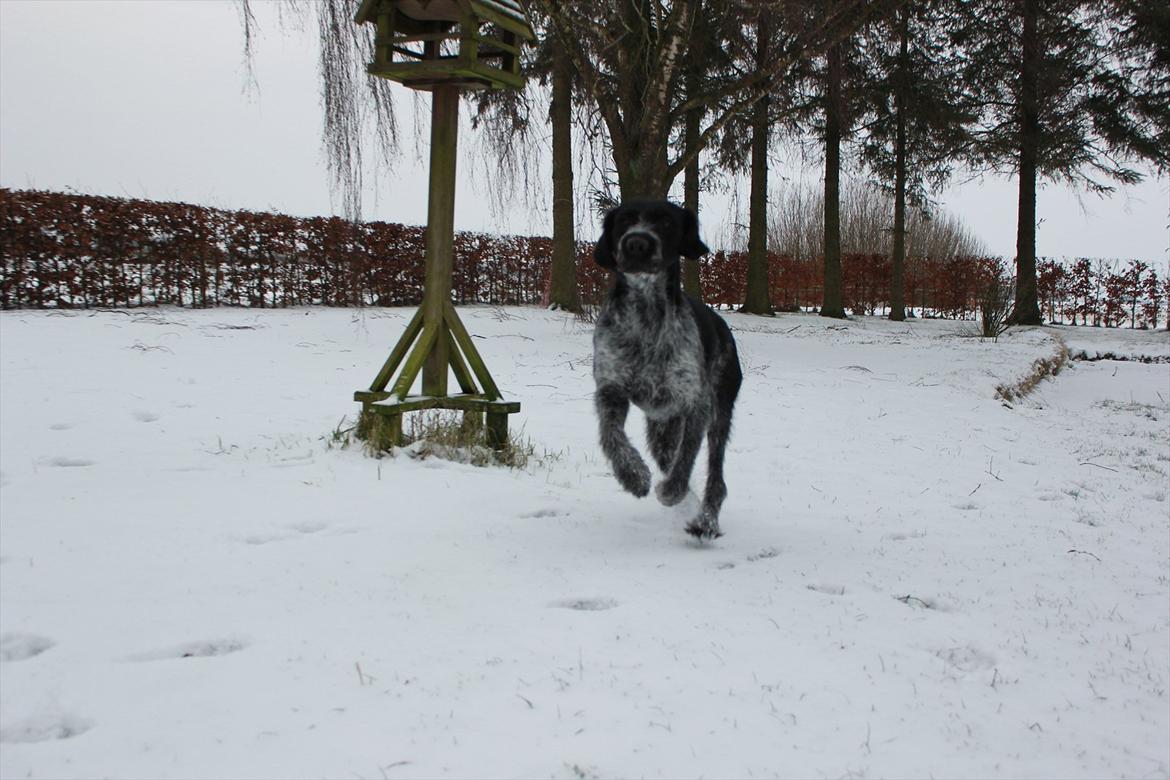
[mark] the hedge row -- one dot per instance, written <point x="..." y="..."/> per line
<point x="64" y="250"/>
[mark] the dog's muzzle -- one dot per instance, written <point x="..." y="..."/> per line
<point x="638" y="252"/>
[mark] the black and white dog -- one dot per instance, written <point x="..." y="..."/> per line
<point x="665" y="352"/>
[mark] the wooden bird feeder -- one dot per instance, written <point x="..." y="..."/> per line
<point x="442" y="46"/>
<point x="472" y="44"/>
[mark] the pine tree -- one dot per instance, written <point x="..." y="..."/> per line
<point x="756" y="298"/>
<point x="1071" y="91"/>
<point x="916" y="122"/>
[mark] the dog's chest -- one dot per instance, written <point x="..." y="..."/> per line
<point x="658" y="364"/>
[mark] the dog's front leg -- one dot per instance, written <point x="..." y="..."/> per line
<point x="629" y="468"/>
<point x="706" y="525"/>
<point x="673" y="487"/>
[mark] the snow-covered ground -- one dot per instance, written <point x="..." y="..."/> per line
<point x="916" y="579"/>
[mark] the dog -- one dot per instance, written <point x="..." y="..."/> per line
<point x="665" y="352"/>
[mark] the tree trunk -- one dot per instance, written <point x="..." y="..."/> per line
<point x="563" y="282"/>
<point x="644" y="174"/>
<point x="833" y="302"/>
<point x="692" y="284"/>
<point x="898" y="263"/>
<point x="756" y="301"/>
<point x="1027" y="308"/>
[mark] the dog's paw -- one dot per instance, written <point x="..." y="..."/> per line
<point x="634" y="477"/>
<point x="670" y="493"/>
<point x="704" y="528"/>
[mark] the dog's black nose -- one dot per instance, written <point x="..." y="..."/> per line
<point x="636" y="246"/>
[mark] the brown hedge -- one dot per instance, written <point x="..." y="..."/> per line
<point x="66" y="250"/>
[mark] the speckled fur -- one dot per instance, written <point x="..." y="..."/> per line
<point x="666" y="353"/>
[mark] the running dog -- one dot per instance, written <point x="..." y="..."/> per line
<point x="665" y="352"/>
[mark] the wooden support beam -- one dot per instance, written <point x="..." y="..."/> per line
<point x="497" y="430"/>
<point x="458" y="367"/>
<point x="384" y="402"/>
<point x="414" y="363"/>
<point x="463" y="339"/>
<point x="393" y="423"/>
<point x="399" y="352"/>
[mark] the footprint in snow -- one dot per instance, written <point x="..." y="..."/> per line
<point x="762" y="555"/>
<point x="292" y="461"/>
<point x="63" y="426"/>
<point x="266" y="538"/>
<point x="19" y="647"/>
<point x="66" y="462"/>
<point x="598" y="604"/>
<point x="901" y="536"/>
<point x="208" y="648"/>
<point x="142" y="416"/>
<point x="923" y="602"/>
<point x="306" y="527"/>
<point x="45" y="728"/>
<point x="541" y="513"/>
<point x="967" y="658"/>
<point x="829" y="589"/>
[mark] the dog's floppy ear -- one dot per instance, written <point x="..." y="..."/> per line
<point x="691" y="246"/>
<point x="603" y="252"/>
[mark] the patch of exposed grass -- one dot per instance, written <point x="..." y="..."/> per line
<point x="439" y="433"/>
<point x="341" y="436"/>
<point x="1042" y="368"/>
<point x="587" y="314"/>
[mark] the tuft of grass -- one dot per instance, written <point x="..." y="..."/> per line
<point x="439" y="433"/>
<point x="340" y="437"/>
<point x="1042" y="368"/>
<point x="587" y="314"/>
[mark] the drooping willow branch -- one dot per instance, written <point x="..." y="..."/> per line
<point x="357" y="108"/>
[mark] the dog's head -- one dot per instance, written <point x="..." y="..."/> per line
<point x="648" y="237"/>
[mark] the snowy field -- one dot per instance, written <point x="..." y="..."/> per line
<point x="916" y="579"/>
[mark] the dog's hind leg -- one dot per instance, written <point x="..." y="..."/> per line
<point x="663" y="436"/>
<point x="706" y="525"/>
<point x="673" y="487"/>
<point x="629" y="468"/>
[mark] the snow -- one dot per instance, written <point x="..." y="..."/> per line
<point x="916" y="579"/>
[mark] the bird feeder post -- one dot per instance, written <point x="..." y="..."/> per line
<point x="414" y="43"/>
<point x="440" y="253"/>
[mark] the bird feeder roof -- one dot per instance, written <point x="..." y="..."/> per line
<point x="505" y="13"/>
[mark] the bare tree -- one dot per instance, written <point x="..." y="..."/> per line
<point x="795" y="226"/>
<point x="631" y="56"/>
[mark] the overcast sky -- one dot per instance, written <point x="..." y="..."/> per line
<point x="146" y="98"/>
